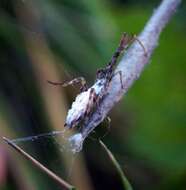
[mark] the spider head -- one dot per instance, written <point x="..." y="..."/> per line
<point x="100" y="74"/>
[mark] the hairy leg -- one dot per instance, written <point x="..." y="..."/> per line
<point x="125" y="42"/>
<point x="79" y="80"/>
<point x="140" y="43"/>
<point x="120" y="76"/>
<point x="90" y="102"/>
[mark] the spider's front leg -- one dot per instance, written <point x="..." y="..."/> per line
<point x="79" y="80"/>
<point x="120" y="77"/>
<point x="125" y="42"/>
<point x="91" y="101"/>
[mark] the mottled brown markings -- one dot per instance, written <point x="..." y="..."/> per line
<point x="90" y="102"/>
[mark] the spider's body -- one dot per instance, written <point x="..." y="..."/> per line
<point x="85" y="103"/>
<point x="89" y="98"/>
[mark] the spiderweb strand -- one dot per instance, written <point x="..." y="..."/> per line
<point x="63" y="184"/>
<point x="37" y="137"/>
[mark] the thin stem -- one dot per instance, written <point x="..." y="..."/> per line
<point x="52" y="175"/>
<point x="126" y="183"/>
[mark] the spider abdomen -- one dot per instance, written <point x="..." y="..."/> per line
<point x="78" y="109"/>
<point x="84" y="104"/>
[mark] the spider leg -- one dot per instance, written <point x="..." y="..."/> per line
<point x="124" y="43"/>
<point x="92" y="97"/>
<point x="79" y="80"/>
<point x="140" y="43"/>
<point x="120" y="76"/>
<point x="96" y="99"/>
<point x="126" y="40"/>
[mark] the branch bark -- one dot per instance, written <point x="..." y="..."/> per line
<point x="131" y="65"/>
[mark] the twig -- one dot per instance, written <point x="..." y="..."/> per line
<point x="131" y="66"/>
<point x="125" y="181"/>
<point x="56" y="178"/>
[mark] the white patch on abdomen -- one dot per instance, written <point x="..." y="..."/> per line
<point x="79" y="106"/>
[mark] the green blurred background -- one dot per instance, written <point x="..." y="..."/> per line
<point x="57" y="40"/>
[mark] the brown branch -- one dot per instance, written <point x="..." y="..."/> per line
<point x="52" y="175"/>
<point x="131" y="66"/>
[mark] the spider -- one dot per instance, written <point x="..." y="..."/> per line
<point x="89" y="98"/>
